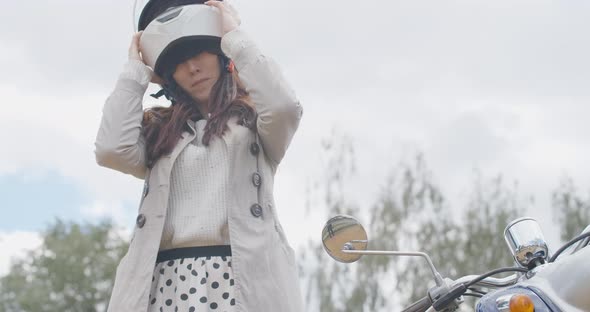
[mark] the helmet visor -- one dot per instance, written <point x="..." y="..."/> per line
<point x="183" y="49"/>
<point x="145" y="11"/>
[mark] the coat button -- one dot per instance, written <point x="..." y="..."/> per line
<point x="256" y="179"/>
<point x="254" y="148"/>
<point x="140" y="220"/>
<point x="146" y="189"/>
<point x="256" y="210"/>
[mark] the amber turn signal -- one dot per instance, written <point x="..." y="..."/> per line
<point x="521" y="303"/>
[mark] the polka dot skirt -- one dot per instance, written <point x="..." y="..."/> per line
<point x="193" y="285"/>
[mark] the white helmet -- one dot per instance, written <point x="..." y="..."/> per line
<point x="174" y="31"/>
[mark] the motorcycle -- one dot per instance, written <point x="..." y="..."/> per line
<point x="540" y="283"/>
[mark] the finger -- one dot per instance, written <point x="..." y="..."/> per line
<point x="226" y="8"/>
<point x="132" y="43"/>
<point x="214" y="3"/>
<point x="219" y="5"/>
<point x="230" y="6"/>
<point x="134" y="47"/>
<point x="136" y="37"/>
<point x="231" y="9"/>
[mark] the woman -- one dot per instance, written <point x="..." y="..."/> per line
<point x="207" y="235"/>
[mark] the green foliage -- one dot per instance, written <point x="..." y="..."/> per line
<point x="573" y="212"/>
<point x="491" y="208"/>
<point x="73" y="270"/>
<point x="328" y="282"/>
<point x="410" y="214"/>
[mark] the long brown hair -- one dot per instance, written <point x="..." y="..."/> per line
<point x="163" y="126"/>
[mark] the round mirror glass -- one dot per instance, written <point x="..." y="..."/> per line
<point x="344" y="232"/>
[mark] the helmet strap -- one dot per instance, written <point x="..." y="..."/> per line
<point x="166" y="93"/>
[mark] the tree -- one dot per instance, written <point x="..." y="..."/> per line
<point x="73" y="270"/>
<point x="327" y="282"/>
<point x="412" y="214"/>
<point x="573" y="212"/>
<point x="423" y="220"/>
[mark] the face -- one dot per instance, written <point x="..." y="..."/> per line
<point x="198" y="74"/>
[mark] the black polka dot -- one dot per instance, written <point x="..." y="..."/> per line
<point x="231" y="282"/>
<point x="208" y="258"/>
<point x="229" y="264"/>
<point x="202" y="262"/>
<point x="213" y="306"/>
<point x="162" y="271"/>
<point x="161" y="309"/>
<point x="184" y="297"/>
<point x="169" y="282"/>
<point x="215" y="285"/>
<point x="174" y="288"/>
<point x="171" y="263"/>
<point x="207" y="274"/>
<point x="192" y="290"/>
<point x="232" y="302"/>
<point x="191" y="309"/>
<point x="225" y="295"/>
<point x="182" y="261"/>
<point x="169" y="302"/>
<point x="175" y="270"/>
<point x="226" y="275"/>
<point x="216" y="265"/>
<point x="194" y="273"/>
<point x="176" y="309"/>
<point x="182" y="278"/>
<point x="161" y="289"/>
<point x="203" y="299"/>
<point x="190" y="266"/>
<point x="203" y="281"/>
<point x="224" y="258"/>
<point x="153" y="279"/>
<point x="153" y="301"/>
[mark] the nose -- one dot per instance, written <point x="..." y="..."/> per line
<point x="193" y="66"/>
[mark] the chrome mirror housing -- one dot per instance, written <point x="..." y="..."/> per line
<point x="344" y="233"/>
<point x="526" y="242"/>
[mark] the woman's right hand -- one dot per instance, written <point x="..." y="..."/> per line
<point x="134" y="54"/>
<point x="134" y="48"/>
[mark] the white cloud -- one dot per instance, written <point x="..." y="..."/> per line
<point x="14" y="245"/>
<point x="113" y="210"/>
<point x="501" y="86"/>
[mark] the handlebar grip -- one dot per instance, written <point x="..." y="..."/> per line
<point x="419" y="306"/>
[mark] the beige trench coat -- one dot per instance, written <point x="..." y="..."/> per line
<point x="263" y="262"/>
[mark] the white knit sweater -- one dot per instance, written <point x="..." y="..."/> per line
<point x="199" y="184"/>
<point x="197" y="206"/>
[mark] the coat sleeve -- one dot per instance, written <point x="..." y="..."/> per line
<point x="119" y="144"/>
<point x="279" y="110"/>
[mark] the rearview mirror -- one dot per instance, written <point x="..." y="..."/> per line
<point x="344" y="232"/>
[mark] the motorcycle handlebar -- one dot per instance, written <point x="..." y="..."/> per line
<point x="423" y="304"/>
<point x="489" y="282"/>
<point x="419" y="306"/>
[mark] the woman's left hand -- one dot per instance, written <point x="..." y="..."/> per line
<point x="229" y="16"/>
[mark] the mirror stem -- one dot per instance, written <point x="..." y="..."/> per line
<point x="437" y="277"/>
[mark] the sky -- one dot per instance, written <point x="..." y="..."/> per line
<point x="497" y="87"/>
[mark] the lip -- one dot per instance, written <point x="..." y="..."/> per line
<point x="198" y="82"/>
